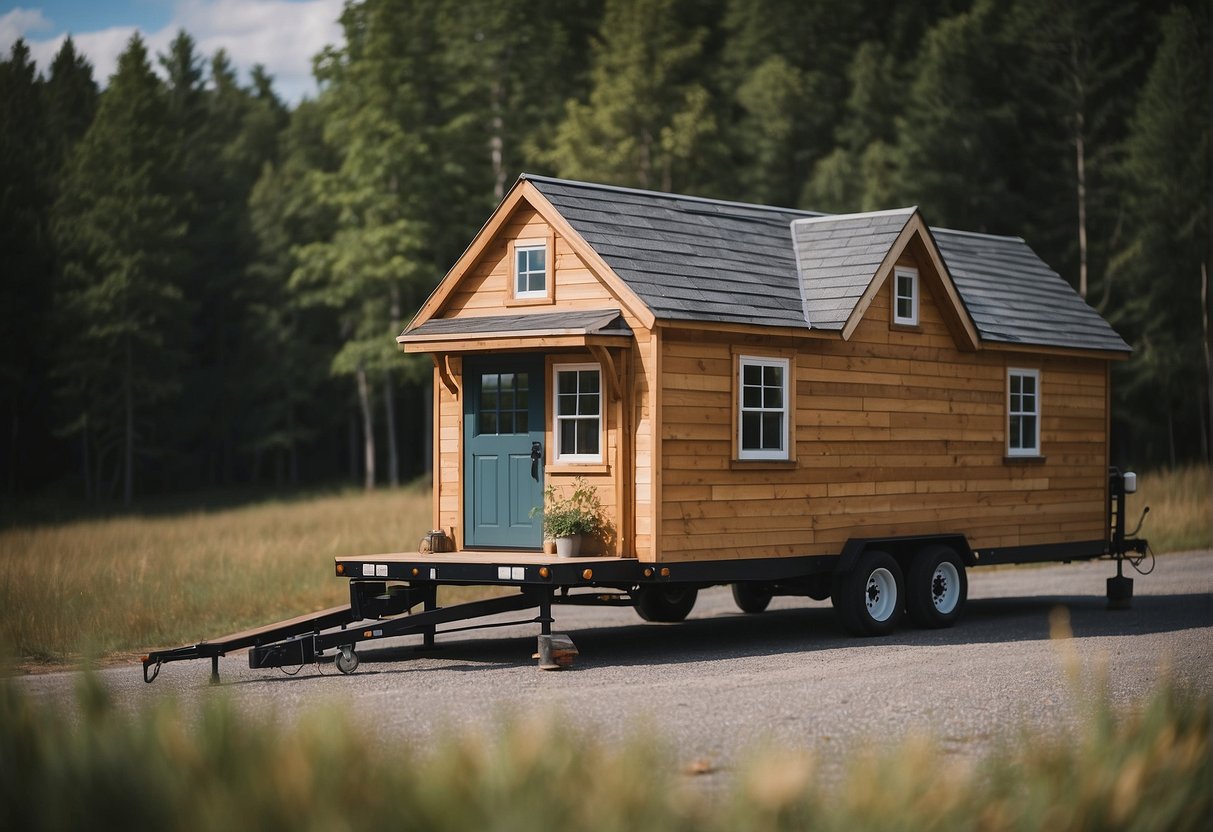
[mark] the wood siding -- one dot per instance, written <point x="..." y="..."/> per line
<point x="897" y="432"/>
<point x="625" y="477"/>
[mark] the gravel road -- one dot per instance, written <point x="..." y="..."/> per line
<point x="721" y="682"/>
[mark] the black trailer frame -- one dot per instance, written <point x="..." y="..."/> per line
<point x="385" y="590"/>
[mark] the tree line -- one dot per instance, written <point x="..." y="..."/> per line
<point x="202" y="284"/>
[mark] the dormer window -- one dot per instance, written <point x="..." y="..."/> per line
<point x="531" y="269"/>
<point x="905" y="296"/>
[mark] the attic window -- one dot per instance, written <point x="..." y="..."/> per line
<point x="530" y="269"/>
<point x="905" y="296"/>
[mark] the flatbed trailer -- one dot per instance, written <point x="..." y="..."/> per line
<point x="872" y="582"/>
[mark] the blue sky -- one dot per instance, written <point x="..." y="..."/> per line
<point x="283" y="35"/>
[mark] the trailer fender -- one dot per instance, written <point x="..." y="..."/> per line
<point x="902" y="548"/>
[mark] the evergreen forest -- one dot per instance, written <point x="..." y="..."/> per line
<point x="200" y="284"/>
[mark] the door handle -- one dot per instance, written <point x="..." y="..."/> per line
<point x="536" y="455"/>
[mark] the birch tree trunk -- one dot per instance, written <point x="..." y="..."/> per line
<point x="497" y="140"/>
<point x="128" y="482"/>
<point x="368" y="428"/>
<point x="389" y="413"/>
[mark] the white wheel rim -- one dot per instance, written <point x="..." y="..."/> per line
<point x="880" y="595"/>
<point x="945" y="588"/>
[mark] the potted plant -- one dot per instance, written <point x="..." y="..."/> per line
<point x="568" y="519"/>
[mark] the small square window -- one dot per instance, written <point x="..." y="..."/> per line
<point x="530" y="271"/>
<point x="905" y="296"/>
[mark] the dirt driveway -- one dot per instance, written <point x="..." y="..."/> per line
<point x="720" y="682"/>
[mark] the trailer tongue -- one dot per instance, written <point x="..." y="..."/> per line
<point x="379" y="611"/>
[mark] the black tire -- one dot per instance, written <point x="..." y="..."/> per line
<point x="751" y="597"/>
<point x="936" y="587"/>
<point x="869" y="598"/>
<point x="347" y="663"/>
<point x="664" y="602"/>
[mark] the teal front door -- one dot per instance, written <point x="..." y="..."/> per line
<point x="503" y="451"/>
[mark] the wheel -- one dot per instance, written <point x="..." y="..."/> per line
<point x="751" y="597"/>
<point x="937" y="587"/>
<point x="664" y="602"/>
<point x="868" y="598"/>
<point x="346" y="660"/>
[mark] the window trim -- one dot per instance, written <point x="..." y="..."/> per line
<point x="576" y="459"/>
<point x="787" y="364"/>
<point x="914" y="297"/>
<point x="532" y="298"/>
<point x="1034" y="374"/>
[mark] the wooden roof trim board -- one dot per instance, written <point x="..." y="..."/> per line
<point x="470" y="255"/>
<point x="617" y="287"/>
<point x="961" y="323"/>
<point x="514" y="341"/>
<point x="524" y="191"/>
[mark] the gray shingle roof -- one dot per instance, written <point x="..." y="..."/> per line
<point x="1015" y="298"/>
<point x="697" y="259"/>
<point x="837" y="258"/>
<point x="591" y="322"/>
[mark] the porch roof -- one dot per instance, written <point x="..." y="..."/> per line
<point x="581" y="328"/>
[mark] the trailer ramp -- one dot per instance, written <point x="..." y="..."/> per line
<point x="214" y="648"/>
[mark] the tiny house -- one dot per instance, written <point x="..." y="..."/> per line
<point x="740" y="381"/>
<point x="857" y="407"/>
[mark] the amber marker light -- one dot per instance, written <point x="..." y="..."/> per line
<point x="665" y="571"/>
<point x="341" y="569"/>
<point x="367" y="634"/>
<point x="587" y="574"/>
<point x="648" y="572"/>
<point x="416" y="571"/>
<point x="544" y="572"/>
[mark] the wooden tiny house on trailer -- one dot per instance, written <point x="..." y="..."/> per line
<point x="852" y="406"/>
<point x="764" y="382"/>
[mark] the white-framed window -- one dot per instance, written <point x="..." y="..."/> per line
<point x="763" y="401"/>
<point x="530" y="269"/>
<point x="577" y="409"/>
<point x="1023" y="412"/>
<point x="905" y="296"/>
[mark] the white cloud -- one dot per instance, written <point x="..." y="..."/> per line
<point x="284" y="36"/>
<point x="20" y="23"/>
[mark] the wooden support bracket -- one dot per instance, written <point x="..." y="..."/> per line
<point x="610" y="370"/>
<point x="443" y="365"/>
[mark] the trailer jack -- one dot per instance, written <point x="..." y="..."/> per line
<point x="1119" y="587"/>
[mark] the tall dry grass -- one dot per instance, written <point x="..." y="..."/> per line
<point x="130" y="583"/>
<point x="1139" y="768"/>
<point x="1181" y="508"/>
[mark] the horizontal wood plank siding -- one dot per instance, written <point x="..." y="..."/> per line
<point x="897" y="433"/>
<point x="624" y="484"/>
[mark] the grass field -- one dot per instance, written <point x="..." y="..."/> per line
<point x="126" y="584"/>
<point x="1181" y="508"/>
<point x="1138" y="766"/>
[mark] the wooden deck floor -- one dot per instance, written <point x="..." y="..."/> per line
<point x="522" y="557"/>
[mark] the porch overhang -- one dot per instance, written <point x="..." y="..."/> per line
<point x="593" y="328"/>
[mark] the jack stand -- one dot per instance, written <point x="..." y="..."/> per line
<point x="1120" y="589"/>
<point x="214" y="670"/>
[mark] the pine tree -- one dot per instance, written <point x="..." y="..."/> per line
<point x="120" y="304"/>
<point x="959" y="152"/>
<point x="1165" y="176"/>
<point x="295" y="338"/>
<point x="648" y="120"/>
<point x="25" y="289"/>
<point x="1079" y="55"/>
